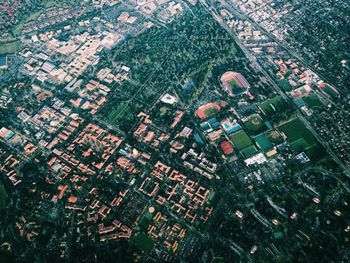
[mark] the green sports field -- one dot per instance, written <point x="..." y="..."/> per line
<point x="249" y="151"/>
<point x="240" y="140"/>
<point x="274" y="105"/>
<point x="330" y="92"/>
<point x="312" y="101"/>
<point x="210" y="111"/>
<point x="263" y="142"/>
<point x="255" y="124"/>
<point x="299" y="137"/>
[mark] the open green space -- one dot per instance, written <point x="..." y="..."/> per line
<point x="274" y="137"/>
<point x="330" y="92"/>
<point x="312" y="101"/>
<point x="11" y="47"/>
<point x="3" y="196"/>
<point x="181" y="51"/>
<point x="235" y="87"/>
<point x="299" y="137"/>
<point x="263" y="142"/>
<point x="117" y="113"/>
<point x="163" y="111"/>
<point x="249" y="151"/>
<point x="274" y="105"/>
<point x="233" y="84"/>
<point x="255" y="124"/>
<point x="240" y="140"/>
<point x="284" y="84"/>
<point x="210" y="111"/>
<point x="144" y="242"/>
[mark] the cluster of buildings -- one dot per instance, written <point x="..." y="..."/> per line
<point x="8" y="161"/>
<point x="252" y="38"/>
<point x="169" y="233"/>
<point x="267" y="15"/>
<point x="268" y="31"/>
<point x="164" y="10"/>
<point x="75" y="55"/>
<point x="51" y="17"/>
<point x="157" y="180"/>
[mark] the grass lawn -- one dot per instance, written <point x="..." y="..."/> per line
<point x="263" y="142"/>
<point x="275" y="137"/>
<point x="144" y="242"/>
<point x="163" y="111"/>
<point x="271" y="106"/>
<point x="117" y="113"/>
<point x="255" y="124"/>
<point x="234" y="86"/>
<point x="312" y="101"/>
<point x="240" y="140"/>
<point x="210" y="111"/>
<point x="249" y="151"/>
<point x="300" y="144"/>
<point x="330" y="92"/>
<point x="284" y="84"/>
<point x="299" y="137"/>
<point x="11" y="47"/>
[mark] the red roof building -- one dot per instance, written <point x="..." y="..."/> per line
<point x="226" y="147"/>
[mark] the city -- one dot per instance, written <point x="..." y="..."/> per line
<point x="174" y="131"/>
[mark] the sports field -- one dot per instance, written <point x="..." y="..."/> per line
<point x="274" y="137"/>
<point x="299" y="137"/>
<point x="210" y="111"/>
<point x="263" y="142"/>
<point x="274" y="105"/>
<point x="249" y="151"/>
<point x="330" y="92"/>
<point x="255" y="124"/>
<point x="240" y="140"/>
<point x="235" y="88"/>
<point x="312" y="101"/>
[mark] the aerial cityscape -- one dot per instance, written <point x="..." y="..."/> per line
<point x="174" y="131"/>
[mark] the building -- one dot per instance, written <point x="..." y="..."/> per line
<point x="234" y="83"/>
<point x="226" y="147"/>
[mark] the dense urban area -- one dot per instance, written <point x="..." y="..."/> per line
<point x="174" y="131"/>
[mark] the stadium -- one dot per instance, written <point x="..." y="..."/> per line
<point x="234" y="83"/>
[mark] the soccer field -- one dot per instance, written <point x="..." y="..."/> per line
<point x="271" y="106"/>
<point x="240" y="140"/>
<point x="298" y="135"/>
